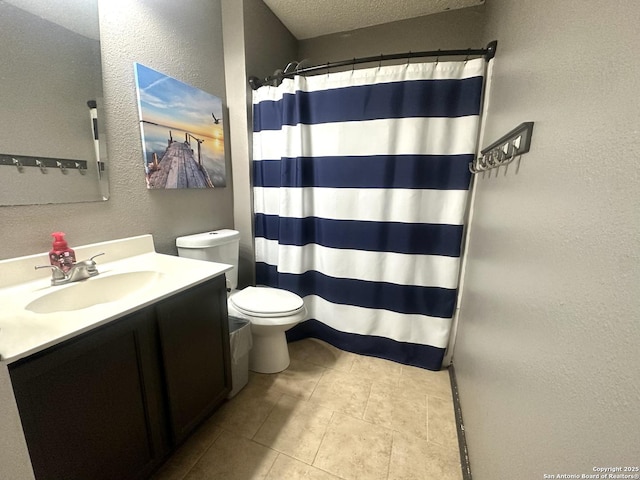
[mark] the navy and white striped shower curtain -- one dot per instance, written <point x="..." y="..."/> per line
<point x="360" y="189"/>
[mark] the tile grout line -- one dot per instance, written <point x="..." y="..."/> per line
<point x="274" y="461"/>
<point x="266" y="418"/>
<point x="462" y="439"/>
<point x="364" y="411"/>
<point x="427" y="420"/>
<point x="317" y="382"/>
<point x="333" y="412"/>
<point x="393" y="432"/>
<point x="202" y="454"/>
<point x="322" y="440"/>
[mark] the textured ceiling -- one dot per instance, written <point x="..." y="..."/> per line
<point x="312" y="18"/>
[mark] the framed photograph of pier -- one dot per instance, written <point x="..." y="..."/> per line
<point x="182" y="132"/>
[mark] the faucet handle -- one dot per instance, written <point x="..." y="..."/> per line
<point x="56" y="272"/>
<point x="89" y="265"/>
<point x="55" y="268"/>
<point x="96" y="255"/>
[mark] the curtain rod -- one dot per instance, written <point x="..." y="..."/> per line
<point x="488" y="53"/>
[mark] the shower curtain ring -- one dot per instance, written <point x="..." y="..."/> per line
<point x="466" y="59"/>
<point x="482" y="163"/>
<point x="409" y="58"/>
<point x="353" y="65"/>
<point x="380" y="62"/>
<point x="437" y="57"/>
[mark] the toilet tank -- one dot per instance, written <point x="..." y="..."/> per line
<point x="220" y="246"/>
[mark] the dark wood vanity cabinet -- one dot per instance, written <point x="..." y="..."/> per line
<point x="87" y="406"/>
<point x="114" y="402"/>
<point x="194" y="338"/>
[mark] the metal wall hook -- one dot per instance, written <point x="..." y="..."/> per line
<point x="18" y="165"/>
<point x="62" y="168"/>
<point x="478" y="165"/>
<point x="514" y="153"/>
<point x="43" y="167"/>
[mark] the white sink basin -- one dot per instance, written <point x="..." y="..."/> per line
<point x="94" y="291"/>
<point x="34" y="315"/>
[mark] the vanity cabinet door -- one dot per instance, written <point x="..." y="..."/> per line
<point x="194" y="342"/>
<point x="88" y="406"/>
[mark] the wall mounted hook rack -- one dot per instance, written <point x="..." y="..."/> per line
<point x="43" y="163"/>
<point x="504" y="150"/>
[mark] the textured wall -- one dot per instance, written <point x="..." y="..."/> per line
<point x="181" y="41"/>
<point x="269" y="45"/>
<point x="547" y="354"/>
<point x="185" y="43"/>
<point x="448" y="30"/>
<point x="255" y="43"/>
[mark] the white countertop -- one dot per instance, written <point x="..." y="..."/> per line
<point x="23" y="332"/>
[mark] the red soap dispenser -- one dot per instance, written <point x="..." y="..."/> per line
<point x="61" y="255"/>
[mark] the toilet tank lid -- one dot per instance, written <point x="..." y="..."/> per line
<point x="208" y="239"/>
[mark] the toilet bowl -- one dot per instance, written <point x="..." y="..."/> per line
<point x="271" y="312"/>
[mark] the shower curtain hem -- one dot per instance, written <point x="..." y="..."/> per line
<point x="422" y="356"/>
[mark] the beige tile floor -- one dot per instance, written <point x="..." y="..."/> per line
<point x="330" y="415"/>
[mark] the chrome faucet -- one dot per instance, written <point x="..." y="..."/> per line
<point x="78" y="271"/>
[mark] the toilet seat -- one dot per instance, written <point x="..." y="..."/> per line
<point x="267" y="302"/>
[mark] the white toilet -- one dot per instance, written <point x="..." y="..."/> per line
<point x="271" y="311"/>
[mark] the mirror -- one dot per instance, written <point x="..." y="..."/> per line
<point x="51" y="98"/>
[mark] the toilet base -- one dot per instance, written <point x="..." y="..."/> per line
<point x="270" y="353"/>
